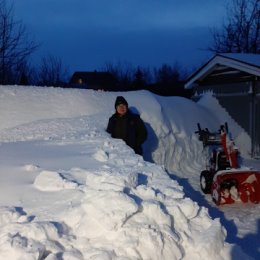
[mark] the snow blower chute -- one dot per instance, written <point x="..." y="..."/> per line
<point x="224" y="178"/>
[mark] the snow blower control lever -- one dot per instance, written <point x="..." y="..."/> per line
<point x="208" y="138"/>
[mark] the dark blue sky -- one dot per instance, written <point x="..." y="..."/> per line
<point x="87" y="34"/>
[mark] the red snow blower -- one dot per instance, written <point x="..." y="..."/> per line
<point x="224" y="178"/>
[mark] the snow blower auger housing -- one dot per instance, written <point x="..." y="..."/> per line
<point x="224" y="178"/>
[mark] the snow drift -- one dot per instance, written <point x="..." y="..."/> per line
<point x="70" y="191"/>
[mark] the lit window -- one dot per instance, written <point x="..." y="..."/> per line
<point x="80" y="81"/>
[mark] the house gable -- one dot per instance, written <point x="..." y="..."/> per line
<point x="234" y="79"/>
<point x="231" y="67"/>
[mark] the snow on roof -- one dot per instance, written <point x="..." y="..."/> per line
<point x="249" y="58"/>
<point x="245" y="62"/>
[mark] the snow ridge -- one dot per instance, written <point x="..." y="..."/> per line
<point x="125" y="208"/>
<point x="76" y="193"/>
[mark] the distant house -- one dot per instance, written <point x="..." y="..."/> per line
<point x="234" y="78"/>
<point x="93" y="80"/>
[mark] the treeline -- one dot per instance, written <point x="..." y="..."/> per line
<point x="167" y="80"/>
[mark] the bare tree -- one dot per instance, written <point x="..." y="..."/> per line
<point x="123" y="72"/>
<point x="168" y="75"/>
<point x="241" y="31"/>
<point x="15" y="47"/>
<point x="52" y="72"/>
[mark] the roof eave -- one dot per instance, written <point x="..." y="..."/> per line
<point x="220" y="59"/>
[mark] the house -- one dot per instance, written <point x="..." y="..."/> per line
<point x="234" y="78"/>
<point x="93" y="80"/>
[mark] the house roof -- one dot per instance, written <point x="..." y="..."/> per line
<point x="227" y="65"/>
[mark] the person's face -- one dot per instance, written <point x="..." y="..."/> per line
<point x="121" y="109"/>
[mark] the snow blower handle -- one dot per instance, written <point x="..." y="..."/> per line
<point x="200" y="132"/>
<point x="203" y="134"/>
<point x="199" y="129"/>
<point x="224" y="128"/>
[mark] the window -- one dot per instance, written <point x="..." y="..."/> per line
<point x="80" y="81"/>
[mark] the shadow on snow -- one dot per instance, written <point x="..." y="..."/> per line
<point x="249" y="243"/>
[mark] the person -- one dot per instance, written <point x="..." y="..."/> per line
<point x="125" y="125"/>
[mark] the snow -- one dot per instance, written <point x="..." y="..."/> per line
<point x="69" y="191"/>
<point x="249" y="58"/>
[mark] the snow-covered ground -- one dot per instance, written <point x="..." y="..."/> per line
<point x="69" y="191"/>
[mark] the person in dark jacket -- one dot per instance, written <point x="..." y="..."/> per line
<point x="125" y="125"/>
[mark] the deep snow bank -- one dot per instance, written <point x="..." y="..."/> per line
<point x="93" y="198"/>
<point x="178" y="146"/>
<point x="113" y="206"/>
<point x="171" y="121"/>
<point x="21" y="104"/>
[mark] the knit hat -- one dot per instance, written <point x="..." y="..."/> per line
<point x="120" y="100"/>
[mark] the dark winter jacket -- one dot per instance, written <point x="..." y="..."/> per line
<point x="130" y="128"/>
